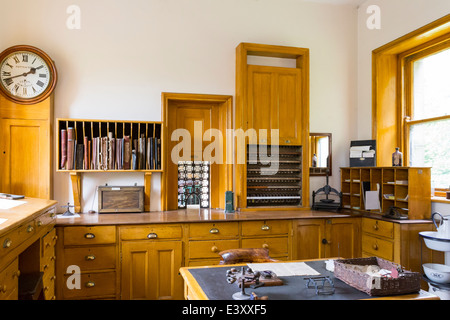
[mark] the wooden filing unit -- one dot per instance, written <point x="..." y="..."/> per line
<point x="117" y="129"/>
<point x="408" y="187"/>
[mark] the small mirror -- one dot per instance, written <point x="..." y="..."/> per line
<point x="320" y="154"/>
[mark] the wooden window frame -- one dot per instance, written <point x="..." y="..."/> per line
<point x="391" y="95"/>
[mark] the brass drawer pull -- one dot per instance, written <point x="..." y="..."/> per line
<point x="4" y="288"/>
<point x="90" y="257"/>
<point x="152" y="236"/>
<point x="265" y="246"/>
<point x="89" y="236"/>
<point x="214" y="249"/>
<point x="265" y="227"/>
<point x="375" y="246"/>
<point x="7" y="243"/>
<point x="30" y="229"/>
<point x="375" y="226"/>
<point x="39" y="223"/>
<point x="214" y="231"/>
<point x="90" y="284"/>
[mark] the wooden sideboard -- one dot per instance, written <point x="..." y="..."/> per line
<point x="27" y="239"/>
<point x="138" y="256"/>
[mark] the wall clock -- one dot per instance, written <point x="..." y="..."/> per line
<point x="27" y="74"/>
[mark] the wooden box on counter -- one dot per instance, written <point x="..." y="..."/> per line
<point x="120" y="199"/>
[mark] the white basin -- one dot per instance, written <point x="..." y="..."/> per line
<point x="436" y="272"/>
<point x="434" y="242"/>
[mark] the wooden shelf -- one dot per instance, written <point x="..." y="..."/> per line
<point x="409" y="187"/>
<point x="86" y="130"/>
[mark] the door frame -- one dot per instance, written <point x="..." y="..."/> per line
<point x="225" y="110"/>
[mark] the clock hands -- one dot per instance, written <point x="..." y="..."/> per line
<point x="32" y="71"/>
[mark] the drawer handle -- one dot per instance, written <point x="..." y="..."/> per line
<point x="265" y="228"/>
<point x="30" y="229"/>
<point x="152" y="236"/>
<point x="16" y="274"/>
<point x="265" y="246"/>
<point x="375" y="226"/>
<point x="214" y="249"/>
<point x="4" y="288"/>
<point x="39" y="223"/>
<point x="214" y="231"/>
<point x="7" y="243"/>
<point x="288" y="141"/>
<point x="90" y="284"/>
<point x="89" y="236"/>
<point x="89" y="257"/>
<point x="375" y="246"/>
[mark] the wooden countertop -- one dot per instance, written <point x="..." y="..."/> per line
<point x="206" y="215"/>
<point x="31" y="208"/>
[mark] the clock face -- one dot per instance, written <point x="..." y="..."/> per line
<point x="27" y="74"/>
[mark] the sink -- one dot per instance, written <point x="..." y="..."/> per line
<point x="434" y="242"/>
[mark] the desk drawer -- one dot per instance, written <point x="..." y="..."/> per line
<point x="210" y="249"/>
<point x="48" y="243"/>
<point x="46" y="219"/>
<point x="9" y="281"/>
<point x="265" y="228"/>
<point x="219" y="230"/>
<point x="378" y="227"/>
<point x="277" y="246"/>
<point x="92" y="284"/>
<point x="74" y="236"/>
<point x="15" y="237"/>
<point x="90" y="258"/>
<point x="378" y="247"/>
<point x="159" y="231"/>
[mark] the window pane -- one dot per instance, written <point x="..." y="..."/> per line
<point x="430" y="147"/>
<point x="431" y="86"/>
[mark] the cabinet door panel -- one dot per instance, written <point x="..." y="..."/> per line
<point x="310" y="233"/>
<point x="343" y="238"/>
<point x="150" y="270"/>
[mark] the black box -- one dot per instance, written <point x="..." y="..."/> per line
<point x="364" y="162"/>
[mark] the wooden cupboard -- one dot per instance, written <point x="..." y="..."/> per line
<point x="327" y="238"/>
<point x="272" y="98"/>
<point x="25" y="152"/>
<point x="150" y="259"/>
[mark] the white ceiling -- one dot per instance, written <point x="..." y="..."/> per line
<point x="355" y="3"/>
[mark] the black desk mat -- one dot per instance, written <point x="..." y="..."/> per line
<point x="214" y="285"/>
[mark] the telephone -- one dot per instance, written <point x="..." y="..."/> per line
<point x="395" y="213"/>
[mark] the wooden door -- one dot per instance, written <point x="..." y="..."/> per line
<point x="309" y="236"/>
<point x="25" y="164"/>
<point x="150" y="270"/>
<point x="197" y="114"/>
<point x="343" y="238"/>
<point x="274" y="102"/>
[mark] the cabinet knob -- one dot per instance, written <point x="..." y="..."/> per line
<point x="287" y="141"/>
<point x="90" y="284"/>
<point x="16" y="274"/>
<point x="39" y="223"/>
<point x="152" y="236"/>
<point x="214" y="249"/>
<point x="89" y="257"/>
<point x="325" y="241"/>
<point x="89" y="236"/>
<point x="30" y="229"/>
<point x="214" y="231"/>
<point x="3" y="288"/>
<point x="265" y="227"/>
<point x="375" y="246"/>
<point x="7" y="243"/>
<point x="375" y="226"/>
<point x="265" y="246"/>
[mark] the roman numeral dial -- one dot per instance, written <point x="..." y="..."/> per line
<point x="26" y="74"/>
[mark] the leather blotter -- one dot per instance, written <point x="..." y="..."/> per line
<point x="63" y="148"/>
<point x="70" y="148"/>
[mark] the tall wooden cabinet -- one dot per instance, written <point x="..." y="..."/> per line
<point x="272" y="98"/>
<point x="25" y="148"/>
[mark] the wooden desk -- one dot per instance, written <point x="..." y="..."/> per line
<point x="27" y="240"/>
<point x="196" y="289"/>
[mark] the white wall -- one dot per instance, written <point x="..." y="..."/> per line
<point x="128" y="52"/>
<point x="398" y="17"/>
